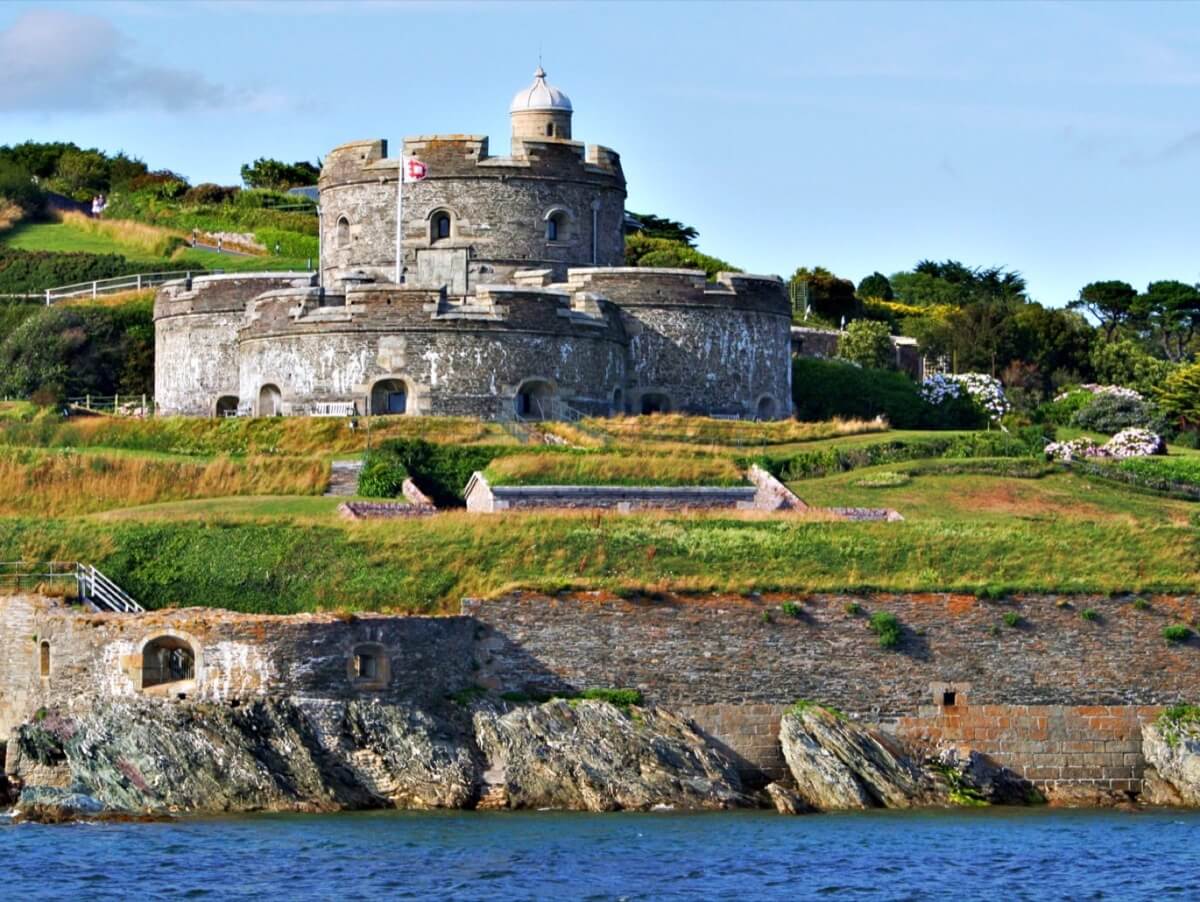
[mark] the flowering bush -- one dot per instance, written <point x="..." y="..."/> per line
<point x="1118" y="391"/>
<point x="984" y="390"/>
<point x="1135" y="443"/>
<point x="1126" y="443"/>
<point x="1075" y="449"/>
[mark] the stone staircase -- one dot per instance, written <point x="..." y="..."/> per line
<point x="343" y="478"/>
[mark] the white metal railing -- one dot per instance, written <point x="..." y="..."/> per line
<point x="101" y="591"/>
<point x="136" y="282"/>
<point x="118" y="405"/>
<point x="92" y="586"/>
<point x="328" y="409"/>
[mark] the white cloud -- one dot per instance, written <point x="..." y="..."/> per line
<point x="55" y="61"/>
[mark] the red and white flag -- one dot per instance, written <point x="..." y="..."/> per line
<point x="413" y="170"/>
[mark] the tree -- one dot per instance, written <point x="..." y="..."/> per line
<point x="81" y="174"/>
<point x="657" y="227"/>
<point x="642" y="250"/>
<point x="1127" y="363"/>
<point x="867" y="343"/>
<point x="1172" y="310"/>
<point x="36" y="157"/>
<point x="276" y="175"/>
<point x="16" y="186"/>
<point x="123" y="169"/>
<point x="1111" y="303"/>
<point x="1057" y="342"/>
<point x="1179" y="396"/>
<point x="876" y="285"/>
<point x="954" y="283"/>
<point x="826" y="294"/>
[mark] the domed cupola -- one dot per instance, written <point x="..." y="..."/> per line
<point x="540" y="110"/>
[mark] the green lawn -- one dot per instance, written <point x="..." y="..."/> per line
<point x="247" y="507"/>
<point x="53" y="236"/>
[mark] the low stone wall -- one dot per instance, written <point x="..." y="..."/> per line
<point x="1029" y="696"/>
<point x="483" y="497"/>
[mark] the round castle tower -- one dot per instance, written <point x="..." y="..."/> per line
<point x="475" y="219"/>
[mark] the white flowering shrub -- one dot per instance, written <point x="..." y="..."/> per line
<point x="1126" y="443"/>
<point x="1135" y="443"/>
<point x="1117" y="391"/>
<point x="986" y="391"/>
<point x="1075" y="449"/>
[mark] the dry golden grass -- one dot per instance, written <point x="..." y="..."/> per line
<point x="119" y="299"/>
<point x="706" y="431"/>
<point x="57" y="483"/>
<point x="152" y="240"/>
<point x="10" y="214"/>
<point x="613" y="469"/>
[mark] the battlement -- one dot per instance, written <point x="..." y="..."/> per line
<point x="222" y="293"/>
<point x="632" y="286"/>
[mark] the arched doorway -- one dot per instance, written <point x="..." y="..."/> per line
<point x="167" y="660"/>
<point x="655" y="402"/>
<point x="389" y="396"/>
<point x="535" y="400"/>
<point x="227" y="406"/>
<point x="618" y="401"/>
<point x="766" y="408"/>
<point x="270" y="401"/>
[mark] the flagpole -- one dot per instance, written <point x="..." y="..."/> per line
<point x="400" y="206"/>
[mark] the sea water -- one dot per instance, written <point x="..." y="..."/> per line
<point x="991" y="854"/>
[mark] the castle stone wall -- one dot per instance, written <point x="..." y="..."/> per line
<point x="195" y="337"/>
<point x="455" y="358"/>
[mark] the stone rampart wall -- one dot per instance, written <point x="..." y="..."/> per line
<point x="195" y="337"/>
<point x="1046" y="698"/>
<point x="93" y="656"/>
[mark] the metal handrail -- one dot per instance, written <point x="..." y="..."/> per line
<point x="136" y="281"/>
<point x="93" y="587"/>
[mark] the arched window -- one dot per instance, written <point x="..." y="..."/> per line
<point x="166" y="660"/>
<point x="558" y="225"/>
<point x="549" y="129"/>
<point x="440" y="227"/>
<point x="343" y="232"/>
<point x="766" y="408"/>
<point x="227" y="406"/>
<point x="535" y="400"/>
<point x="44" y="659"/>
<point x="270" y="402"/>
<point x="389" y="396"/>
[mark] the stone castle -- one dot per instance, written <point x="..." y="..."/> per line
<point x="492" y="288"/>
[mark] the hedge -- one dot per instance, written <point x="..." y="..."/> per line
<point x="442" y="471"/>
<point x="24" y="272"/>
<point x="824" y="389"/>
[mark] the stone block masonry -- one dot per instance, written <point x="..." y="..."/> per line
<point x="1056" y="699"/>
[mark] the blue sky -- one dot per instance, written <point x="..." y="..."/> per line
<point x="1061" y="139"/>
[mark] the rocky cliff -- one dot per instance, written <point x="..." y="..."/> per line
<point x="156" y="758"/>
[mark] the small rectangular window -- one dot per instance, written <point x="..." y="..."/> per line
<point x="949" y="698"/>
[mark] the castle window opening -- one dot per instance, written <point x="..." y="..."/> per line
<point x="535" y="400"/>
<point x="441" y="226"/>
<point x="44" y="659"/>
<point x="369" y="666"/>
<point x="766" y="408"/>
<point x="270" y="401"/>
<point x="167" y="660"/>
<point x="618" y="400"/>
<point x="558" y="225"/>
<point x="227" y="406"/>
<point x="389" y="396"/>
<point x="552" y="229"/>
<point x="655" y="402"/>
<point x="343" y="231"/>
<point x="549" y="129"/>
<point x="949" y="698"/>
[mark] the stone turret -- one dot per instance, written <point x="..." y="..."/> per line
<point x="541" y="110"/>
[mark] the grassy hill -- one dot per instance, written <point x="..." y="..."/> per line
<point x="250" y="530"/>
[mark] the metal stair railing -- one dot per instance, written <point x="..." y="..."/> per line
<point x="134" y="282"/>
<point x="103" y="593"/>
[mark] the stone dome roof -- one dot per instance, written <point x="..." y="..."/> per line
<point x="540" y="96"/>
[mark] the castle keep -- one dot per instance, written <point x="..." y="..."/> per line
<point x="492" y="287"/>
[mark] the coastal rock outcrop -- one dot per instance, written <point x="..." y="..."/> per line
<point x="155" y="758"/>
<point x="147" y="757"/>
<point x="594" y="756"/>
<point x="1171" y="746"/>
<point x="838" y="764"/>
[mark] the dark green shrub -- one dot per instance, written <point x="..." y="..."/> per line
<point x="853" y="608"/>
<point x="868" y="344"/>
<point x="382" y="475"/>
<point x="1112" y="413"/>
<point x="24" y="272"/>
<point x="442" y="471"/>
<point x="62" y="352"/>
<point x="792" y="609"/>
<point x="1140" y="604"/>
<point x="1060" y="411"/>
<point x="622" y="698"/>
<point x="887" y="628"/>
<point x="1177" y="632"/>
<point x="1012" y="619"/>
<point x="1090" y="614"/>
